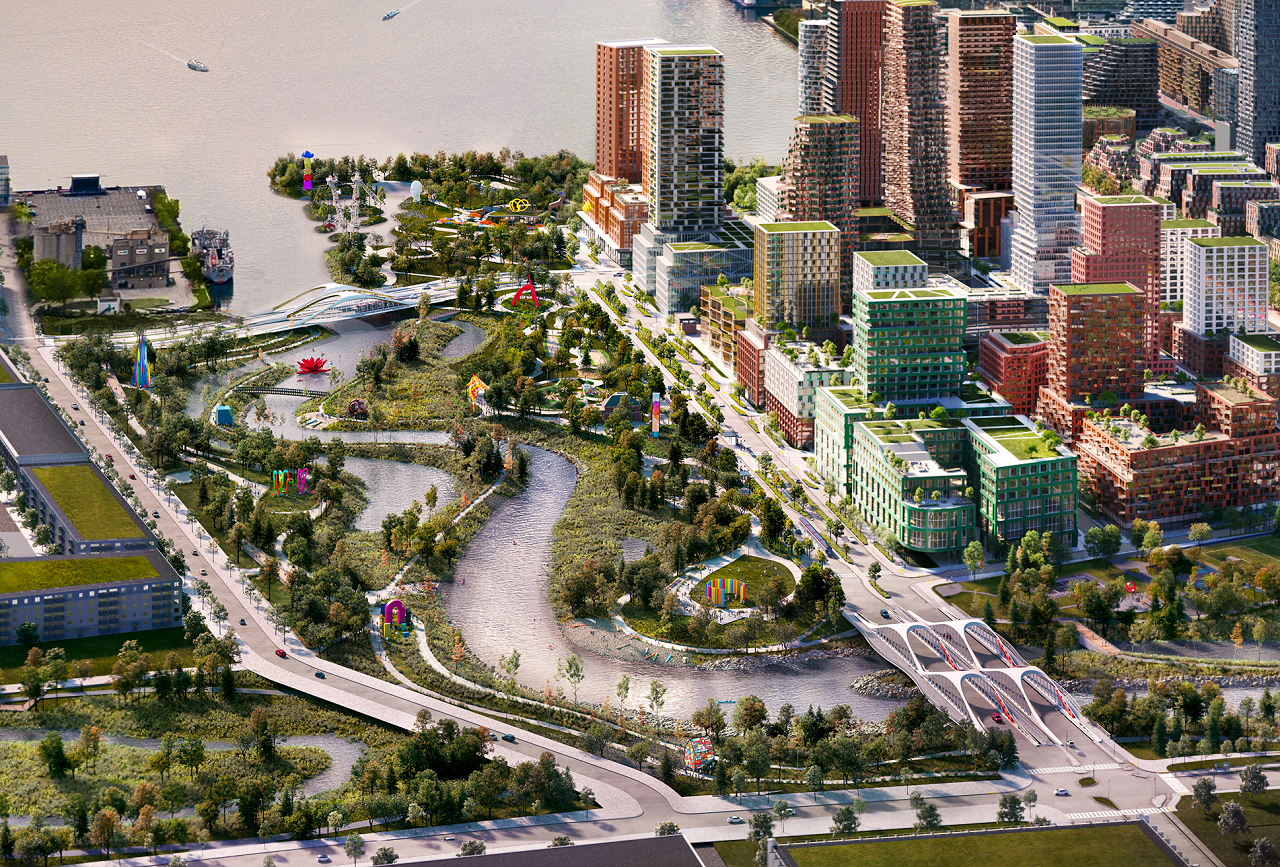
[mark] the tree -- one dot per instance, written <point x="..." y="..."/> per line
<point x="847" y="818"/>
<point x="759" y="827"/>
<point x="749" y="712"/>
<point x="1263" y="854"/>
<point x="385" y="855"/>
<point x="928" y="819"/>
<point x="1252" y="781"/>
<point x="710" y="719"/>
<point x="53" y="755"/>
<point x="1199" y="533"/>
<point x="782" y="810"/>
<point x="657" y="695"/>
<point x="105" y="825"/>
<point x="1010" y="811"/>
<point x="974" y="558"/>
<point x="622" y="690"/>
<point x="572" y="670"/>
<point x="813" y="778"/>
<point x="354" y="847"/>
<point x="1232" y="820"/>
<point x="1204" y="794"/>
<point x="666" y="829"/>
<point x="472" y="847"/>
<point x="28" y="634"/>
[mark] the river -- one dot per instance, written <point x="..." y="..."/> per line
<point x="90" y="89"/>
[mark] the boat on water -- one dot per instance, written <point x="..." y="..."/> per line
<point x="217" y="262"/>
<point x="392" y="14"/>
<point x="197" y="66"/>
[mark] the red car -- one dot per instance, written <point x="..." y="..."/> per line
<point x="280" y="653"/>
<point x="995" y="717"/>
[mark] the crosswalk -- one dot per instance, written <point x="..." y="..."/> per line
<point x="1074" y="769"/>
<point x="1117" y="814"/>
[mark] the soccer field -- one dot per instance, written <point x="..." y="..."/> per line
<point x="1261" y="550"/>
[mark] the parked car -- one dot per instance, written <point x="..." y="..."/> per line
<point x="1061" y="793"/>
<point x="735" y="820"/>
<point x="155" y="514"/>
<point x="202" y="572"/>
<point x="280" y="653"/>
<point x="884" y="612"/>
<point x="450" y="839"/>
<point x="509" y="738"/>
<point x="75" y="406"/>
<point x="322" y="858"/>
<point x="132" y="476"/>
<point x="242" y="623"/>
<point x="996" y="718"/>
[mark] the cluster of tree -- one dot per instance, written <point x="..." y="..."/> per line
<point x="55" y="283"/>
<point x="360" y="266"/>
<point x="740" y="181"/>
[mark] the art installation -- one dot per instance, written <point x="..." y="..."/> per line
<point x="698" y="753"/>
<point x="358" y="408"/>
<point x="306" y="169"/>
<point x="395" y="618"/>
<point x="300" y="476"/>
<point x="475" y="389"/>
<point x="518" y="205"/>
<point x="528" y="287"/>
<point x="314" y="365"/>
<point x="141" y="367"/>
<point x="415" y="190"/>
<point x="280" y="482"/>
<point x="722" y="590"/>
<point x="656" y="413"/>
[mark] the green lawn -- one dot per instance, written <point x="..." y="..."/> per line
<point x="756" y="571"/>
<point x="1115" y="846"/>
<point x="88" y="503"/>
<point x="1263" y="815"/>
<point x="1261" y="550"/>
<point x="102" y="650"/>
<point x="20" y="576"/>
<point x="1235" y="763"/>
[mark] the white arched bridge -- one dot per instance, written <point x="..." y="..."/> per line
<point x="958" y="662"/>
<point x="334" y="302"/>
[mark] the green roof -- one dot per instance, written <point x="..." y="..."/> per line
<point x="19" y="576"/>
<point x="1242" y="241"/>
<point x="1185" y="224"/>
<point x="698" y="246"/>
<point x="1090" y="39"/>
<point x="1096" y="289"/>
<point x="917" y="294"/>
<point x="1019" y="338"/>
<point x="827" y="118"/>
<point x="913" y="2"/>
<point x="850" y="397"/>
<point x="873" y="212"/>
<point x="1060" y="22"/>
<point x="1260" y="342"/>
<point x="811" y="226"/>
<point x="679" y="52"/>
<point x="87" y="502"/>
<point x="890" y="258"/>
<point x="1048" y="40"/>
<point x="1107" y="111"/>
<point x="1125" y="200"/>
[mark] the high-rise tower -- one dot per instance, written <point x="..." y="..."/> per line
<point x="980" y="99"/>
<point x="1047" y="76"/>
<point x="620" y="102"/>
<point x="913" y="116"/>
<point x="855" y="64"/>
<point x="813" y="64"/>
<point x="1257" y="45"/>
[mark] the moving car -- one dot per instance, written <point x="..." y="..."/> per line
<point x="202" y="572"/>
<point x="280" y="653"/>
<point x="194" y="552"/>
<point x="996" y="718"/>
<point x="735" y="820"/>
<point x="322" y="858"/>
<point x="884" y="612"/>
<point x="320" y="674"/>
<point x="242" y="623"/>
<point x="75" y="406"/>
<point x="447" y="839"/>
<point x="155" y="513"/>
<point x="509" y="738"/>
<point x="132" y="476"/>
<point x="1062" y="793"/>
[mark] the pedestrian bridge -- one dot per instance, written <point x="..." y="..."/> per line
<point x="958" y="662"/>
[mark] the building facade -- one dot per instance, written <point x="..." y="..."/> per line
<point x="1023" y="483"/>
<point x="1125" y="73"/>
<point x="853" y="83"/>
<point x="1172" y="268"/>
<point x="1014" y="364"/>
<point x="813" y="65"/>
<point x="725" y="310"/>
<point x="5" y="193"/>
<point x="1257" y="35"/>
<point x="621" y="102"/>
<point x="913" y="116"/>
<point x="1186" y="65"/>
<point x="793" y="373"/>
<point x="797" y="276"/>
<point x="1227" y="285"/>
<point x="980" y="100"/>
<point x="1255" y="358"/>
<point x="1047" y="104"/>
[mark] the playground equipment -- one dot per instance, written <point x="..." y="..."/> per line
<point x="141" y="367"/>
<point x="527" y="287"/>
<point x="721" y="591"/>
<point x="698" y="754"/>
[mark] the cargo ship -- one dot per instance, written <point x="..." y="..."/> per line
<point x="216" y="259"/>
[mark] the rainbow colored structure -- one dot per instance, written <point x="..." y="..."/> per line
<point x="528" y="287"/>
<point x="475" y="388"/>
<point x="657" y="412"/>
<point x="721" y="591"/>
<point x="395" y="618"/>
<point x="306" y="169"/>
<point x="281" y="479"/>
<point x="698" y="754"/>
<point x="141" y="367"/>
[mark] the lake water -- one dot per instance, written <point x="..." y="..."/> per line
<point x="95" y="87"/>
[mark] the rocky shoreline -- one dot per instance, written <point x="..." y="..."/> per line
<point x="756" y="662"/>
<point x="874" y="685"/>
<point x="1232" y="680"/>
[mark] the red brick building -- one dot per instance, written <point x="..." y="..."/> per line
<point x="1014" y="364"/>
<point x="1202" y="355"/>
<point x="1096" y="351"/>
<point x="748" y="363"/>
<point x="1131" y="473"/>
<point x="1121" y="244"/>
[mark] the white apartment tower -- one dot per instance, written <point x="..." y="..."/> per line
<point x="1226" y="285"/>
<point x="1047" y="105"/>
<point x="1173" y="271"/>
<point x="813" y="64"/>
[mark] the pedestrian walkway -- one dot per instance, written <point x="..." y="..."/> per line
<point x="1117" y="814"/>
<point x="1081" y="769"/>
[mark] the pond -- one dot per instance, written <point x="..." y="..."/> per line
<point x="392" y="487"/>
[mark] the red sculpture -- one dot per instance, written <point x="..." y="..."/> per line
<point x="528" y="287"/>
<point x="313" y="365"/>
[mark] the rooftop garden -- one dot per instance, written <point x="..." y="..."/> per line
<point x="890" y="258"/>
<point x="21" y="576"/>
<point x="1260" y="342"/>
<point x="811" y="226"/>
<point x="1234" y="392"/>
<point x="1021" y="338"/>
<point x="87" y="502"/>
<point x="1073" y="289"/>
